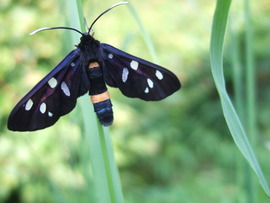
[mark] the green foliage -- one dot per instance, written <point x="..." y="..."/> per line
<point x="233" y="121"/>
<point x="175" y="150"/>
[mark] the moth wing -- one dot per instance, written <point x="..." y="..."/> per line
<point x="54" y="96"/>
<point x="136" y="77"/>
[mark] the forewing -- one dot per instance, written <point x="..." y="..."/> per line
<point x="136" y="77"/>
<point x="54" y="96"/>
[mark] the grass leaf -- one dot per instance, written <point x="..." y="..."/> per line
<point x="233" y="122"/>
<point x="107" y="184"/>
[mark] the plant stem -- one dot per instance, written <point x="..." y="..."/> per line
<point x="107" y="184"/>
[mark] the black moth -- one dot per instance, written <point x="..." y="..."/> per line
<point x="88" y="68"/>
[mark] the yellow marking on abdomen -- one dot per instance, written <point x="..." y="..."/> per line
<point x="93" y="65"/>
<point x="99" y="97"/>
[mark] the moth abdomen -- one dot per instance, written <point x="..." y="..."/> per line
<point x="99" y="95"/>
<point x="95" y="75"/>
<point x="104" y="112"/>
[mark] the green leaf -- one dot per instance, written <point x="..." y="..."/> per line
<point x="231" y="117"/>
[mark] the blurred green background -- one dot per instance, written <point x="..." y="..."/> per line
<point x="175" y="150"/>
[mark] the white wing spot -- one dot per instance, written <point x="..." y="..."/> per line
<point x="150" y="83"/>
<point x="65" y="89"/>
<point x="134" y="65"/>
<point x="52" y="82"/>
<point x="125" y="74"/>
<point x="72" y="64"/>
<point x="110" y="56"/>
<point x="42" y="108"/>
<point x="50" y="114"/>
<point x="146" y="90"/>
<point x="159" y="75"/>
<point x="29" y="105"/>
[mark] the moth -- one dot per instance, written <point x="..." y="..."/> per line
<point x="88" y="68"/>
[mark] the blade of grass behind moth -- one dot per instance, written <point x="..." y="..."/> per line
<point x="89" y="127"/>
<point x="252" y="186"/>
<point x="250" y="75"/>
<point x="233" y="122"/>
<point x="245" y="176"/>
<point x="145" y="35"/>
<point x="104" y="169"/>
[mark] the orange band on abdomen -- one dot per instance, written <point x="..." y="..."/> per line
<point x="93" y="65"/>
<point x="99" y="97"/>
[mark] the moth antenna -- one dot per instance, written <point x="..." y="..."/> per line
<point x="53" y="28"/>
<point x="113" y="6"/>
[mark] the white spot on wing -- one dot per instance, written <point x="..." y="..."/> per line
<point x="42" y="108"/>
<point x="150" y="83"/>
<point x="52" y="82"/>
<point x="159" y="75"/>
<point x="29" y="105"/>
<point x="146" y="90"/>
<point x="110" y="56"/>
<point x="72" y="64"/>
<point x="134" y="65"/>
<point x="50" y="114"/>
<point x="125" y="75"/>
<point x="65" y="89"/>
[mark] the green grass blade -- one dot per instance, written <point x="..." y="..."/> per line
<point x="233" y="122"/>
<point x="251" y="93"/>
<point x="145" y="35"/>
<point x="245" y="176"/>
<point x="250" y="75"/>
<point x="105" y="174"/>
